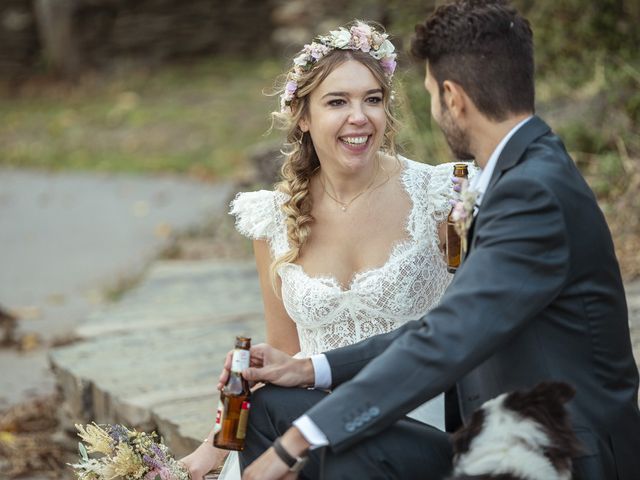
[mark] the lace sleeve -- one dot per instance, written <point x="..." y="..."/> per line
<point x="441" y="188"/>
<point x="256" y="214"/>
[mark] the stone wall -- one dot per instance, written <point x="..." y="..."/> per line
<point x="19" y="43"/>
<point x="158" y="30"/>
<point x="73" y="35"/>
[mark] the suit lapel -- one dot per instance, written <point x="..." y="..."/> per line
<point x="470" y="235"/>
<point x="511" y="154"/>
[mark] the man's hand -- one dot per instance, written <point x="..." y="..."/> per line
<point x="269" y="365"/>
<point x="269" y="466"/>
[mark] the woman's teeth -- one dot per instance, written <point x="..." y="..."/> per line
<point x="354" y="140"/>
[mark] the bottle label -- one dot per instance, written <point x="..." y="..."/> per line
<point x="242" y="421"/>
<point x="240" y="360"/>
<point x="219" y="415"/>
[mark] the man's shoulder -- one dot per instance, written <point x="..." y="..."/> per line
<point x="546" y="167"/>
<point x="546" y="156"/>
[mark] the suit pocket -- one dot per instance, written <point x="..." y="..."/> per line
<point x="588" y="442"/>
<point x="595" y="461"/>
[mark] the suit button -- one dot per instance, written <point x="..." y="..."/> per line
<point x="374" y="411"/>
<point x="366" y="416"/>
<point x="349" y="427"/>
<point x="358" y="422"/>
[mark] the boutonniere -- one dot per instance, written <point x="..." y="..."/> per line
<point x="462" y="213"/>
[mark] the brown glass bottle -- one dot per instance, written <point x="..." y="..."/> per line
<point x="235" y="402"/>
<point x="453" y="245"/>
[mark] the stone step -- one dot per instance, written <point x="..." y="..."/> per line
<point x="152" y="359"/>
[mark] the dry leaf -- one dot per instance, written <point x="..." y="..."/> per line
<point x="29" y="342"/>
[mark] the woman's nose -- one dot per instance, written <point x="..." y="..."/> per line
<point x="357" y="116"/>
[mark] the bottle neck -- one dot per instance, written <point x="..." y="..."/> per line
<point x="460" y="170"/>
<point x="240" y="360"/>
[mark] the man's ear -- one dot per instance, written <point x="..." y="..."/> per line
<point x="454" y="98"/>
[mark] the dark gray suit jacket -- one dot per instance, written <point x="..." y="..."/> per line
<point x="538" y="297"/>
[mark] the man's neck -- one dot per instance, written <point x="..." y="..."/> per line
<point x="488" y="134"/>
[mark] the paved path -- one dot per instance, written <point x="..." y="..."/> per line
<point x="66" y="237"/>
<point x="152" y="359"/>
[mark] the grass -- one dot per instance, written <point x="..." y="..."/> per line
<point x="196" y="119"/>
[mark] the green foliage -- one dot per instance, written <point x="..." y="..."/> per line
<point x="192" y="118"/>
<point x="419" y="137"/>
<point x="569" y="34"/>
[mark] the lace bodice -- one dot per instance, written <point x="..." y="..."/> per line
<point x="408" y="285"/>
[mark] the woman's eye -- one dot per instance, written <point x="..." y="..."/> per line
<point x="336" y="102"/>
<point x="374" y="99"/>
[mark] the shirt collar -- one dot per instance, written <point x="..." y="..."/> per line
<point x="480" y="182"/>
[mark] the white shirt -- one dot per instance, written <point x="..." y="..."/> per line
<point x="321" y="367"/>
<point x="480" y="182"/>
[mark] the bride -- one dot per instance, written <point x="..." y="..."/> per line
<point x="348" y="244"/>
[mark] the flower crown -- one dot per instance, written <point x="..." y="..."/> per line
<point x="360" y="37"/>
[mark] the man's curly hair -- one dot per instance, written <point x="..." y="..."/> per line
<point x="484" y="46"/>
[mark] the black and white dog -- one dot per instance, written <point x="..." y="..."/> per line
<point x="523" y="435"/>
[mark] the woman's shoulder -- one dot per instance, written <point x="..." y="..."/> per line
<point x="257" y="213"/>
<point x="424" y="175"/>
<point x="430" y="187"/>
<point x="258" y="197"/>
<point x="434" y="178"/>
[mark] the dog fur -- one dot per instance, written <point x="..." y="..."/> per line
<point x="523" y="435"/>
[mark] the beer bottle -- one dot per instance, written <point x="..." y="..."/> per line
<point x="453" y="245"/>
<point x="233" y="408"/>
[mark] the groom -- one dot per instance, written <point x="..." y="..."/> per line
<point x="539" y="296"/>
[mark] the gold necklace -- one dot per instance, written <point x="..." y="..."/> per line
<point x="345" y="205"/>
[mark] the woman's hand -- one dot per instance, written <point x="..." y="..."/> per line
<point x="457" y="184"/>
<point x="270" y="365"/>
<point x="203" y="459"/>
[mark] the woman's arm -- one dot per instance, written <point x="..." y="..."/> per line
<point x="281" y="330"/>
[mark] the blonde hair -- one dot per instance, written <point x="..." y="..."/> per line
<point x="301" y="160"/>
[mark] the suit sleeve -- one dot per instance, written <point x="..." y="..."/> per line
<point x="347" y="361"/>
<point x="517" y="267"/>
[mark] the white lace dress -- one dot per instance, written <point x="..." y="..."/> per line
<point x="407" y="286"/>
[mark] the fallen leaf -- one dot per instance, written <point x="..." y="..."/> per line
<point x="56" y="299"/>
<point x="27" y="312"/>
<point x="7" y="438"/>
<point x="140" y="209"/>
<point x="29" y="342"/>
<point x="163" y="230"/>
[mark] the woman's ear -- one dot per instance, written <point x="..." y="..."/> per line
<point x="303" y="125"/>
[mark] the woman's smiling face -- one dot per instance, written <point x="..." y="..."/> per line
<point x="346" y="117"/>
